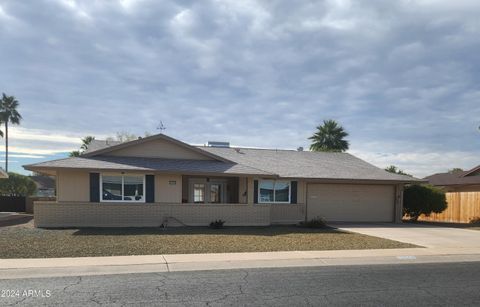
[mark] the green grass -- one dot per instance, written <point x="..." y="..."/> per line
<point x="21" y="242"/>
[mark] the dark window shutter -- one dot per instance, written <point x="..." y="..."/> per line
<point x="94" y="187"/>
<point x="293" y="192"/>
<point x="255" y="191"/>
<point x="150" y="188"/>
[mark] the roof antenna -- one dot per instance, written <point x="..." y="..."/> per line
<point x="161" y="127"/>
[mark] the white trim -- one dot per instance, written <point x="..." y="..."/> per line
<point x="274" y="183"/>
<point x="144" y="198"/>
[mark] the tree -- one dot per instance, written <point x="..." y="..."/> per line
<point x="395" y="170"/>
<point x="85" y="143"/>
<point x="17" y="185"/>
<point x="329" y="137"/>
<point x="75" y="153"/>
<point x="423" y="199"/>
<point x="123" y="136"/>
<point x="9" y="114"/>
<point x="455" y="170"/>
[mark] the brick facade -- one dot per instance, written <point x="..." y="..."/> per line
<point x="53" y="214"/>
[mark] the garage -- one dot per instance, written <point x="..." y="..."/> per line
<point x="351" y="202"/>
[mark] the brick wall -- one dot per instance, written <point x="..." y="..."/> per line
<point x="53" y="214"/>
<point x="31" y="199"/>
<point x="287" y="213"/>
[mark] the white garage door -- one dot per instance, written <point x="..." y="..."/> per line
<point x="351" y="202"/>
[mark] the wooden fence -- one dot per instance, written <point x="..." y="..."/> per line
<point x="462" y="208"/>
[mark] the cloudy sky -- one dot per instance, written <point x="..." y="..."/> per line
<point x="402" y="77"/>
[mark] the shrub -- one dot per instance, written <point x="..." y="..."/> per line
<point x="17" y="185"/>
<point x="316" y="222"/>
<point x="423" y="199"/>
<point x="217" y="224"/>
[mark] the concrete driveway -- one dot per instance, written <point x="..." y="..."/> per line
<point x="422" y="235"/>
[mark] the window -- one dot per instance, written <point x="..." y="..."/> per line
<point x="266" y="188"/>
<point x="198" y="192"/>
<point x="215" y="192"/>
<point x="271" y="191"/>
<point x="122" y="188"/>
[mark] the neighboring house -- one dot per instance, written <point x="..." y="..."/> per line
<point x="159" y="180"/>
<point x="45" y="185"/>
<point x="457" y="181"/>
<point x="463" y="195"/>
<point x="3" y="174"/>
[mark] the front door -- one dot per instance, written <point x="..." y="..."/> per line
<point x="207" y="191"/>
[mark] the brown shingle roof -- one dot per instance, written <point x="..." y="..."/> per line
<point x="455" y="178"/>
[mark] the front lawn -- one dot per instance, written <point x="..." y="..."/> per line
<point x="24" y="242"/>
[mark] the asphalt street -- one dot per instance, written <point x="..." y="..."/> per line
<point x="448" y="284"/>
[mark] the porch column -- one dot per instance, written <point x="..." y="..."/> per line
<point x="243" y="190"/>
<point x="398" y="203"/>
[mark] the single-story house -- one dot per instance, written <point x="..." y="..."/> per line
<point x="159" y="180"/>
<point x="457" y="181"/>
<point x="45" y="185"/>
<point x="3" y="174"/>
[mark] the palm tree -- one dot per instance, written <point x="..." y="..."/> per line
<point x="329" y="137"/>
<point x="85" y="143"/>
<point x="9" y="114"/>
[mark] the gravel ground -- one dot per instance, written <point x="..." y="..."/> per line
<point x="23" y="241"/>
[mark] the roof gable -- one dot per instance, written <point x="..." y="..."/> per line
<point x="473" y="172"/>
<point x="156" y="146"/>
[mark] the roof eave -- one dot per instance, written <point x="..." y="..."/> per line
<point x="473" y="170"/>
<point x="48" y="169"/>
<point x="454" y="184"/>
<point x="358" y="180"/>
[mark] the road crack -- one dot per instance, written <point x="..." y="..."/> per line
<point x="79" y="280"/>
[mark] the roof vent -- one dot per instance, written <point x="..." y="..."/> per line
<point x="218" y="144"/>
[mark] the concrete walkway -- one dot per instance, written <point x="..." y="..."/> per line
<point x="419" y="234"/>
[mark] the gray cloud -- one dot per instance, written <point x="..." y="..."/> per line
<point x="401" y="77"/>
